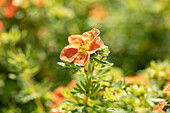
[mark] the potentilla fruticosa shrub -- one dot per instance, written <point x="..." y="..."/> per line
<point x="33" y="32"/>
<point x="97" y="91"/>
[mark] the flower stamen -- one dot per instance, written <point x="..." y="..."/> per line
<point x="83" y="48"/>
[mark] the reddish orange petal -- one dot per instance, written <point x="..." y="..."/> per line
<point x="81" y="59"/>
<point x="95" y="45"/>
<point x="57" y="96"/>
<point x="56" y="99"/>
<point x="167" y="88"/>
<point x="59" y="90"/>
<point x="9" y="10"/>
<point x="90" y="35"/>
<point x="68" y="53"/>
<point x="114" y="92"/>
<point x="71" y="84"/>
<point x="75" y="40"/>
<point x="39" y="3"/>
<point x="168" y="78"/>
<point x="159" y="107"/>
<point x="53" y="105"/>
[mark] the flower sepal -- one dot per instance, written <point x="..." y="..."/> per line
<point x="103" y="62"/>
<point x="104" y="51"/>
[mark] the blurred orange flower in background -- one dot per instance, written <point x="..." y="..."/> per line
<point x="58" y="97"/>
<point x="9" y="10"/>
<point x="38" y="3"/>
<point x="81" y="46"/>
<point x="138" y="79"/>
<point x="71" y="84"/>
<point x="159" y="107"/>
<point x="168" y="78"/>
<point x="167" y="86"/>
<point x="98" y="12"/>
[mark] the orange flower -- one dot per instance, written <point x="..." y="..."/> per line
<point x="168" y="78"/>
<point x="38" y="3"/>
<point x="159" y="107"/>
<point x="81" y="46"/>
<point x="98" y="12"/>
<point x="9" y="10"/>
<point x="58" y="97"/>
<point x="167" y="88"/>
<point x="71" y="84"/>
<point x="138" y="79"/>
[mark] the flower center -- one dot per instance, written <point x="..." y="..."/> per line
<point x="83" y="48"/>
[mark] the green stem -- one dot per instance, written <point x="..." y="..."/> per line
<point x="88" y="79"/>
<point x="92" y="70"/>
<point x="86" y="72"/>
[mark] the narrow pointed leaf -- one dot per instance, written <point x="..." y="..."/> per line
<point x="83" y="85"/>
<point x="99" y="61"/>
<point x="84" y="110"/>
<point x="75" y="71"/>
<point x="95" y="89"/>
<point x="67" y="65"/>
<point x="81" y="90"/>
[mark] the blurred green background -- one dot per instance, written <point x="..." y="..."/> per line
<point x="33" y="33"/>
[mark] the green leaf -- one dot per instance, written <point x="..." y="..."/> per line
<point x="73" y="92"/>
<point x="77" y="89"/>
<point x="158" y="100"/>
<point x="84" y="110"/>
<point x="75" y="71"/>
<point x="89" y="83"/>
<point x="99" y="61"/>
<point x="80" y="88"/>
<point x="168" y="109"/>
<point x="103" y="62"/>
<point x="95" y="89"/>
<point x="92" y="87"/>
<point x="115" y="110"/>
<point x="67" y="65"/>
<point x="118" y="84"/>
<point x="102" y="72"/>
<point x="83" y="85"/>
<point x="109" y="95"/>
<point x="70" y="102"/>
<point x="89" y="67"/>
